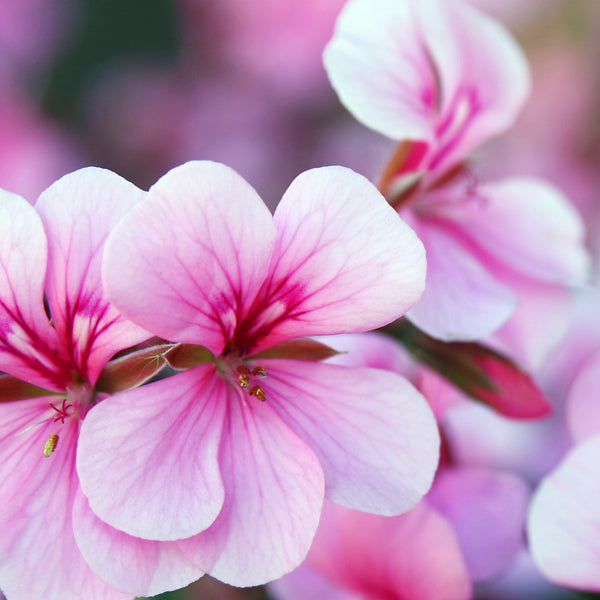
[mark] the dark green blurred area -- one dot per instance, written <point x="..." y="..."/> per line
<point x="108" y="32"/>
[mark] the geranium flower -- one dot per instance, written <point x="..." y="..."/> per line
<point x="53" y="357"/>
<point x="234" y="456"/>
<point x="442" y="78"/>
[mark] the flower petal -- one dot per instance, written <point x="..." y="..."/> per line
<point x="434" y="71"/>
<point x="273" y="495"/>
<point x="538" y="324"/>
<point x="78" y="212"/>
<point x="38" y="554"/>
<point x="583" y="412"/>
<point x="344" y="261"/>
<point x="184" y="262"/>
<point x="529" y="219"/>
<point x="147" y="458"/>
<point x="483" y="74"/>
<point x="379" y="67"/>
<point x="564" y="522"/>
<point x="415" y="555"/>
<point x="28" y="343"/>
<point x="141" y="567"/>
<point x="487" y="509"/>
<point x="374" y="434"/>
<point x="462" y="301"/>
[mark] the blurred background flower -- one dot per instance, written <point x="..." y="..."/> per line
<point x="143" y="85"/>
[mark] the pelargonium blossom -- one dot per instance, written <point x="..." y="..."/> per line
<point x="52" y="356"/>
<point x="234" y="456"/>
<point x="441" y="78"/>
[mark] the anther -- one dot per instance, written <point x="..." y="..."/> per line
<point x="243" y="380"/>
<point x="258" y="393"/>
<point x="259" y="371"/>
<point x="50" y="446"/>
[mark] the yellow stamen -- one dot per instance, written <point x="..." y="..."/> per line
<point x="50" y="446"/>
<point x="258" y="393"/>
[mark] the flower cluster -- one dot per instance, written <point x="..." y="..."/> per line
<point x="191" y="384"/>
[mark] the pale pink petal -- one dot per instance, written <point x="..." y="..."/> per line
<point x="564" y="521"/>
<point x="306" y="582"/>
<point x="28" y="344"/>
<point x="344" y="260"/>
<point x="374" y="434"/>
<point x="147" y="458"/>
<point x="373" y="350"/>
<point x="79" y="211"/>
<point x="141" y="567"/>
<point x="187" y="260"/>
<point x="483" y="74"/>
<point x="273" y="496"/>
<point x="583" y="408"/>
<point x="38" y="554"/>
<point x="526" y="224"/>
<point x="487" y="510"/>
<point x="538" y="324"/>
<point x="478" y="436"/>
<point x="415" y="555"/>
<point x="380" y="68"/>
<point x="462" y="301"/>
<point x="431" y="71"/>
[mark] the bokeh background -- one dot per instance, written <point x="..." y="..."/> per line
<point x="139" y="86"/>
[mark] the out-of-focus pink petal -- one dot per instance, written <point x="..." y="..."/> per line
<point x="38" y="554"/>
<point x="528" y="225"/>
<point x="147" y="458"/>
<point x="374" y="434"/>
<point x="538" y="324"/>
<point x="478" y="436"/>
<point x="583" y="406"/>
<point x="28" y="344"/>
<point x="273" y="495"/>
<point x="487" y="509"/>
<point x="483" y="75"/>
<point x="380" y="68"/>
<point x="306" y="582"/>
<point x="79" y="211"/>
<point x="438" y="72"/>
<point x="199" y="246"/>
<point x="462" y="301"/>
<point x="141" y="567"/>
<point x="344" y="260"/>
<point x="564" y="521"/>
<point x="415" y="555"/>
<point x="373" y="350"/>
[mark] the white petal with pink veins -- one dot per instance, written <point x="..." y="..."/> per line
<point x="374" y="434"/>
<point x="273" y="495"/>
<point x="79" y="211"/>
<point x="199" y="247"/>
<point x="147" y="458"/>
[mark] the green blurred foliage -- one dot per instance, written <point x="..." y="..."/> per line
<point x="106" y="33"/>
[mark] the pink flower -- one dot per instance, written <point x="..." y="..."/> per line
<point x="54" y="252"/>
<point x="234" y="456"/>
<point x="442" y="78"/>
